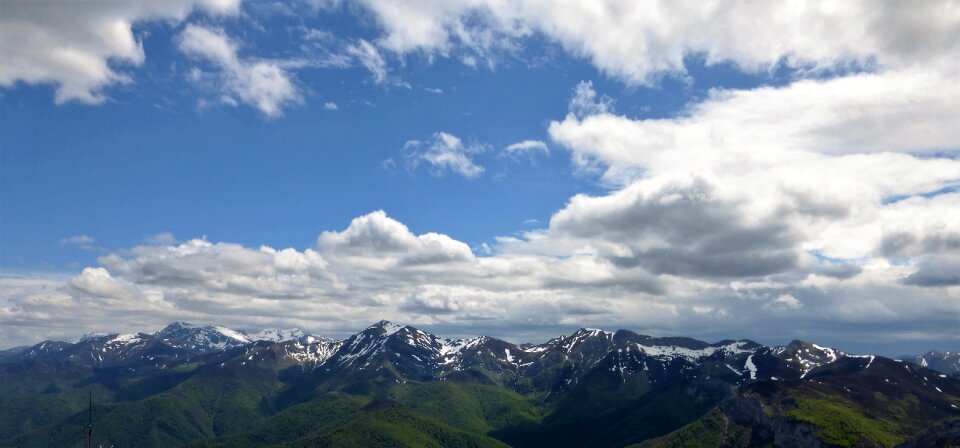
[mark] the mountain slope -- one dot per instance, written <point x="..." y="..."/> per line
<point x="870" y="401"/>
<point x="395" y="384"/>
<point x="943" y="362"/>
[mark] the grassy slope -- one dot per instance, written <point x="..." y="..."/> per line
<point x="462" y="414"/>
<point x="321" y="414"/>
<point x="862" y="413"/>
<point x="649" y="416"/>
<point x="218" y="408"/>
<point x="22" y="411"/>
<point x="473" y="407"/>
<point x="842" y="424"/>
<point x="196" y="409"/>
<point x="714" y="429"/>
<point x="386" y="424"/>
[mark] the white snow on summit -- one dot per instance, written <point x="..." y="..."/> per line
<point x="276" y="334"/>
<point x="672" y="351"/>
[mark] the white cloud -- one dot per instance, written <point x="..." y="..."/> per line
<point x="99" y="283"/>
<point x="329" y="105"/>
<point x="444" y="152"/>
<point x="435" y="27"/>
<point x="82" y="47"/>
<point x="681" y="225"/>
<point x="639" y="41"/>
<point x="79" y="240"/>
<point x="223" y="268"/>
<point x="817" y="171"/>
<point x="784" y="301"/>
<point x="893" y="111"/>
<point x="585" y="101"/>
<point x="824" y="203"/>
<point x="377" y="268"/>
<point x="370" y="58"/>
<point x="375" y="240"/>
<point x="85" y="242"/>
<point x="527" y="147"/>
<point x="162" y="238"/>
<point x="261" y="84"/>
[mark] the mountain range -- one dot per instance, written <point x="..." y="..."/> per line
<point x="396" y="385"/>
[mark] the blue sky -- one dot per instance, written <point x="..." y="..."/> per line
<point x="694" y="181"/>
<point x="150" y="161"/>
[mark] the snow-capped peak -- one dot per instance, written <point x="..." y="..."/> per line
<point x="109" y="339"/>
<point x="178" y="325"/>
<point x="459" y="345"/>
<point x="276" y="334"/>
<point x="124" y="339"/>
<point x="93" y="336"/>
<point x="208" y="338"/>
<point x="388" y="327"/>
<point x="672" y="351"/>
<point x="594" y="332"/>
<point x="806" y="356"/>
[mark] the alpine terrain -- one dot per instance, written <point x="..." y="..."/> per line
<point x="396" y="385"/>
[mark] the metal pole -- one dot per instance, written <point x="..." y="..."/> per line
<point x="90" y="423"/>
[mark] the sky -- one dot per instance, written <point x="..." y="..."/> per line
<point x="744" y="169"/>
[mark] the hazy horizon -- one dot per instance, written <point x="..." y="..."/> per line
<point x="541" y="335"/>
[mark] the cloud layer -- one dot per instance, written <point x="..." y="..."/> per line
<point x="828" y="207"/>
<point x="640" y="41"/>
<point x="614" y="273"/>
<point x="81" y="47"/>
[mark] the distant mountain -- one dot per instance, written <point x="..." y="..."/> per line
<point x="202" y="339"/>
<point x="275" y="334"/>
<point x="397" y="385"/>
<point x="944" y="362"/>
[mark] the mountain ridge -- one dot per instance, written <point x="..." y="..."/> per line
<point x="200" y="339"/>
<point x="589" y="388"/>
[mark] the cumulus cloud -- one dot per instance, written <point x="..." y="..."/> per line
<point x="639" y="41"/>
<point x="376" y="240"/>
<point x="680" y="225"/>
<point x="376" y="267"/>
<point x="823" y="173"/>
<point x="825" y="205"/>
<point x="857" y="114"/>
<point x="82" y="47"/>
<point x="784" y="302"/>
<point x="98" y="282"/>
<point x="223" y="268"/>
<point x="261" y="84"/>
<point x="936" y="270"/>
<point x="444" y="152"/>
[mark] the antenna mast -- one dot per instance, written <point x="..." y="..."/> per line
<point x="90" y="423"/>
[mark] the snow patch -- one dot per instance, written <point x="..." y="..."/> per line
<point x="232" y="334"/>
<point x="749" y="365"/>
<point x="671" y="351"/>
